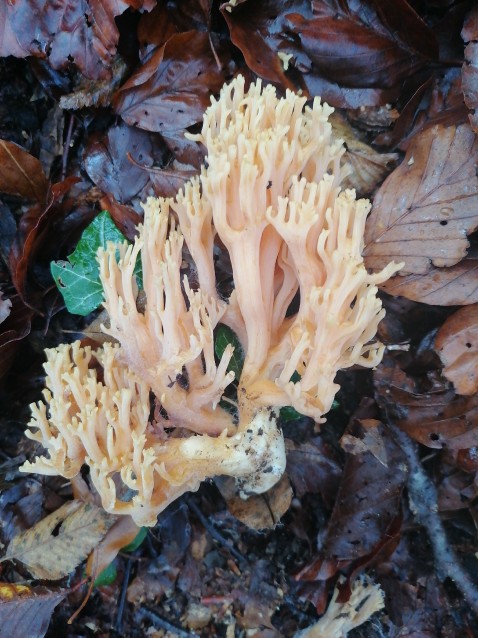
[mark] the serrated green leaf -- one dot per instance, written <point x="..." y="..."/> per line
<point x="78" y="279"/>
<point x="225" y="336"/>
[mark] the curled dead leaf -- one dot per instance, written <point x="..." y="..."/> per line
<point x="26" y="611"/>
<point x="457" y="345"/>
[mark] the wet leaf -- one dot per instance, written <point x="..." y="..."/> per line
<point x="426" y="207"/>
<point x="78" y="279"/>
<point x="26" y="611"/>
<point x="367" y="502"/>
<point x="172" y="89"/>
<point x="437" y="419"/>
<point x="457" y="344"/>
<point x="65" y="32"/>
<point x="453" y="286"/>
<point x="106" y="161"/>
<point x="470" y="66"/>
<point x="20" y="173"/>
<point x="350" y="53"/>
<point x="12" y="331"/>
<point x="79" y="528"/>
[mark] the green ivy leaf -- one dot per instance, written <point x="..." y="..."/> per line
<point x="224" y="337"/>
<point x="78" y="279"/>
<point x="107" y="576"/>
<point x="137" y="540"/>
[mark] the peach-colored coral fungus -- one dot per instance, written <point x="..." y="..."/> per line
<point x="270" y="191"/>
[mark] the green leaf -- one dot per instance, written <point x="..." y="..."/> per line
<point x="107" y="576"/>
<point x="137" y="540"/>
<point x="224" y="337"/>
<point x="78" y="279"/>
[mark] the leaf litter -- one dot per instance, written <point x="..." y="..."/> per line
<point x="94" y="109"/>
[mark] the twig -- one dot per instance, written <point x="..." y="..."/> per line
<point x="66" y="146"/>
<point x="422" y="496"/>
<point x="118" y="626"/>
<point x="215" y="534"/>
<point x="158" y="621"/>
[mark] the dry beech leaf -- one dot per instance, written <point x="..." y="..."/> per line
<point x="26" y="611"/>
<point x="454" y="286"/>
<point x="426" y="207"/>
<point x="20" y="173"/>
<point x="50" y="555"/>
<point x="369" y="168"/>
<point x="258" y="511"/>
<point x="457" y="345"/>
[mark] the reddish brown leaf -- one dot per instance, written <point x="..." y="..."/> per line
<point x="367" y="44"/>
<point x="426" y="207"/>
<point x="367" y="502"/>
<point x="314" y="467"/>
<point x="106" y="161"/>
<point x="470" y="66"/>
<point x="454" y="286"/>
<point x="172" y="89"/>
<point x="26" y="611"/>
<point x="32" y="229"/>
<point x="15" y="328"/>
<point x="457" y="344"/>
<point x="436" y="419"/>
<point x="125" y="217"/>
<point x="20" y="173"/>
<point x="352" y="54"/>
<point x="83" y="32"/>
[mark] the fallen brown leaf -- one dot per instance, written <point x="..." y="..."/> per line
<point x="453" y="286"/>
<point x="457" y="344"/>
<point x="428" y="205"/>
<point x="470" y="66"/>
<point x="20" y="173"/>
<point x="26" y="611"/>
<point x="61" y="541"/>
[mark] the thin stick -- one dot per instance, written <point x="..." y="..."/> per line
<point x="423" y="502"/>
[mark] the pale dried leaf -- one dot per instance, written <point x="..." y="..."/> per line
<point x="80" y="527"/>
<point x="428" y="205"/>
<point x="26" y="611"/>
<point x="454" y="286"/>
<point x="457" y="344"/>
<point x="259" y="511"/>
<point x="5" y="307"/>
<point x="369" y="168"/>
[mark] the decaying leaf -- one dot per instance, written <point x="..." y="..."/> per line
<point x="172" y="89"/>
<point x="65" y="32"/>
<point x="457" y="345"/>
<point x="20" y="173"/>
<point x="61" y="541"/>
<point x="469" y="77"/>
<point x="369" y="168"/>
<point x="25" y="611"/>
<point x="454" y="286"/>
<point x="437" y="419"/>
<point x="259" y="511"/>
<point x="425" y="209"/>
